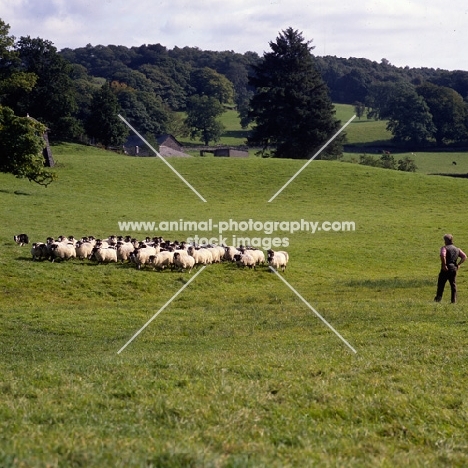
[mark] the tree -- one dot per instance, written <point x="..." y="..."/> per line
<point x="359" y="109"/>
<point x="448" y="112"/>
<point x="208" y="82"/>
<point x="12" y="78"/>
<point x="292" y="112"/>
<point x="409" y="118"/>
<point x="103" y="123"/>
<point x="21" y="146"/>
<point x="201" y="118"/>
<point x="52" y="99"/>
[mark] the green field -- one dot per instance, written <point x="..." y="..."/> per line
<point x="363" y="131"/>
<point x="236" y="371"/>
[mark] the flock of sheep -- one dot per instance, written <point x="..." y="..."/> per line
<point x="154" y="252"/>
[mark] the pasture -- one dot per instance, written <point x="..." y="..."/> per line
<point x="236" y="371"/>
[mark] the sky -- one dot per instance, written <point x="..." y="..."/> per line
<point x="414" y="33"/>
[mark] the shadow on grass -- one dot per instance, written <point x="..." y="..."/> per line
<point x="16" y="192"/>
<point x="390" y="283"/>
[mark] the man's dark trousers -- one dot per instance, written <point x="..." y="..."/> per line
<point x="451" y="276"/>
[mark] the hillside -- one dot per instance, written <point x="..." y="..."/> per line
<point x="236" y="371"/>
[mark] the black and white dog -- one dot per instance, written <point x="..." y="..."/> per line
<point x="21" y="239"/>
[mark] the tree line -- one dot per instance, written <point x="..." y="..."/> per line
<point x="285" y="96"/>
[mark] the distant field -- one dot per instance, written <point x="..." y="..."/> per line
<point x="427" y="162"/>
<point x="236" y="371"/>
<point x="234" y="134"/>
<point x="359" y="131"/>
<point x="363" y="131"/>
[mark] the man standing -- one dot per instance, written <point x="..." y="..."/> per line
<point x="449" y="255"/>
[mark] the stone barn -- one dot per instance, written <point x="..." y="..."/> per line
<point x="168" y="146"/>
<point x="231" y="153"/>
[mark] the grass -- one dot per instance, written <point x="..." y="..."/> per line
<point x="363" y="131"/>
<point x="236" y="371"/>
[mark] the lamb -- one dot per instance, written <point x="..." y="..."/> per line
<point x="62" y="250"/>
<point x="105" y="255"/>
<point x="183" y="261"/>
<point x="244" y="259"/>
<point x="278" y="260"/>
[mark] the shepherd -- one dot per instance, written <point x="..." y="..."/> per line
<point x="449" y="254"/>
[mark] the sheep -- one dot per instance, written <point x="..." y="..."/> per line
<point x="216" y="253"/>
<point x="50" y="241"/>
<point x="257" y="254"/>
<point x="229" y="253"/>
<point x="183" y="262"/>
<point x="105" y="255"/>
<point x="84" y="249"/>
<point x="162" y="259"/>
<point x="62" y="250"/>
<point x="143" y="254"/>
<point x="39" y="251"/>
<point x="102" y="243"/>
<point x="201" y="256"/>
<point x="124" y="250"/>
<point x="278" y="260"/>
<point x="72" y="240"/>
<point x="244" y="259"/>
<point x="111" y="240"/>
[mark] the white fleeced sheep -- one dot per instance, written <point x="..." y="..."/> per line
<point x="143" y="255"/>
<point x="84" y="249"/>
<point x="162" y="260"/>
<point x="244" y="260"/>
<point x="278" y="260"/>
<point x="124" y="251"/>
<point x="105" y="255"/>
<point x="229" y="253"/>
<point x="216" y="254"/>
<point x="183" y="262"/>
<point x="257" y="254"/>
<point x="201" y="256"/>
<point x="62" y="250"/>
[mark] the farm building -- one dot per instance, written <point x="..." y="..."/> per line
<point x="231" y="153"/>
<point x="168" y="146"/>
<point x="227" y="152"/>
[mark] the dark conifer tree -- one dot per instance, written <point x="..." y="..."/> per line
<point x="291" y="109"/>
<point x="103" y="123"/>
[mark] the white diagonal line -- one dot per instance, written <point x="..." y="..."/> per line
<point x="157" y="154"/>
<point x="161" y="309"/>
<point x="313" y="310"/>
<point x="311" y="159"/>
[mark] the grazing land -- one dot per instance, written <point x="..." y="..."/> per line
<point x="236" y="371"/>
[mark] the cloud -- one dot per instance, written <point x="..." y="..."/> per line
<point x="406" y="32"/>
